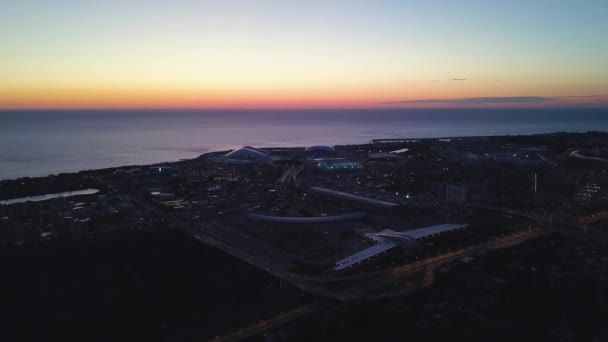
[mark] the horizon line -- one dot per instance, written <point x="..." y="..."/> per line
<point x="285" y="108"/>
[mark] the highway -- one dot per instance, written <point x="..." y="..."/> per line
<point x="362" y="289"/>
<point x="267" y="324"/>
<point x="263" y="259"/>
<point x="592" y="218"/>
<point x="576" y="154"/>
<point x="315" y="285"/>
<point x="517" y="212"/>
<point x="423" y="203"/>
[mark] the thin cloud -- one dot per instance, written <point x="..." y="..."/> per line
<point x="576" y="96"/>
<point x="449" y="80"/>
<point x="491" y="100"/>
<point x="479" y="100"/>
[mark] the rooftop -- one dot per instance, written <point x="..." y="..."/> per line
<point x="248" y="152"/>
<point x="357" y="198"/>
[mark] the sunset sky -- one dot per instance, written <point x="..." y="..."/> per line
<point x="303" y="54"/>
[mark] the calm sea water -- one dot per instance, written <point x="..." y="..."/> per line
<point x="46" y="197"/>
<point x="38" y="143"/>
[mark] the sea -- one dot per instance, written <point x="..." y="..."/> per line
<point x="42" y="142"/>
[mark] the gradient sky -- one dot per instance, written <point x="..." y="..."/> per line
<point x="245" y="54"/>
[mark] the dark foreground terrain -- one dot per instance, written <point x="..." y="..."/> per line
<point x="164" y="286"/>
<point x="154" y="287"/>
<point x="549" y="289"/>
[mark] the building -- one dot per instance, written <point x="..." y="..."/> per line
<point x="332" y="164"/>
<point x="461" y="192"/>
<point x="515" y="158"/>
<point x="387" y="240"/>
<point x="362" y="201"/>
<point x="320" y="148"/>
<point x="592" y="191"/>
<point x="384" y="156"/>
<point x="308" y="220"/>
<point x="248" y="152"/>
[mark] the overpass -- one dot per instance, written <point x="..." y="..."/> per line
<point x="517" y="212"/>
<point x="315" y="285"/>
<point x="593" y="218"/>
<point x="355" y="199"/>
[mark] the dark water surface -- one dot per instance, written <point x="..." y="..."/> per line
<point x="38" y="143"/>
<point x="49" y="196"/>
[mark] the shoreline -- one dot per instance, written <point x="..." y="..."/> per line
<point x="81" y="142"/>
<point x="372" y="141"/>
<point x="4" y="183"/>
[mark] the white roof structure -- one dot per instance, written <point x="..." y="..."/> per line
<point x="422" y="232"/>
<point x="365" y="254"/>
<point x="248" y="152"/>
<point x="389" y="239"/>
<point x="354" y="198"/>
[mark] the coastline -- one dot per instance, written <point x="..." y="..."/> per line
<point x="40" y="143"/>
<point x="10" y="188"/>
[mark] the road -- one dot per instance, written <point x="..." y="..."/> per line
<point x="263" y="259"/>
<point x="362" y="289"/>
<point x="517" y="212"/>
<point x="576" y="154"/>
<point x="271" y="323"/>
<point x="362" y="285"/>
<point x="595" y="217"/>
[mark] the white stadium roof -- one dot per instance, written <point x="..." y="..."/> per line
<point x="422" y="232"/>
<point x="388" y="239"/>
<point x="365" y="254"/>
<point x="352" y="197"/>
<point x="248" y="152"/>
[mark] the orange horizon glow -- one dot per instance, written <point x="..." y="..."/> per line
<point x="133" y="98"/>
<point x="259" y="94"/>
